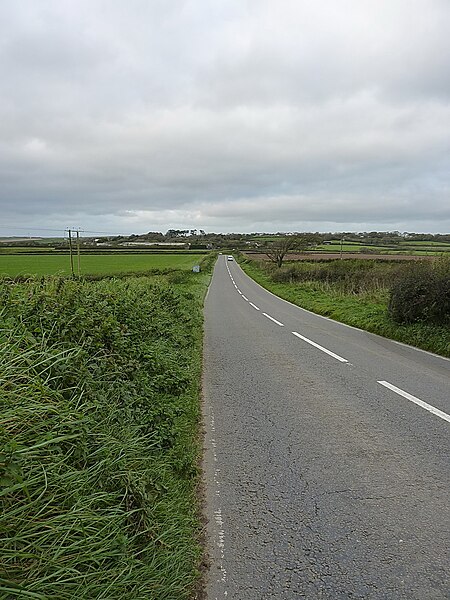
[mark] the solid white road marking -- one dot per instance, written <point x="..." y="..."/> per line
<point x="274" y="320"/>
<point x="245" y="298"/>
<point x="431" y="409"/>
<point x="254" y="305"/>
<point x="336" y="356"/>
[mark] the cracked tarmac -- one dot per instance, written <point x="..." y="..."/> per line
<point x="326" y="489"/>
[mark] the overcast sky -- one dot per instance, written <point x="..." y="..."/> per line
<point x="226" y="115"/>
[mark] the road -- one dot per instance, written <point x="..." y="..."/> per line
<point x="326" y="454"/>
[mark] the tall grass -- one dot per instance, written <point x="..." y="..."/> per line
<point x="349" y="276"/>
<point x="99" y="412"/>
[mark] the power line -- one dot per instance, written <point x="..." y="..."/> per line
<point x="59" y="230"/>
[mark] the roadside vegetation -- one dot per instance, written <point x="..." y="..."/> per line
<point x="99" y="400"/>
<point x="409" y="303"/>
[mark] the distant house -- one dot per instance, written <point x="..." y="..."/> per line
<point x="170" y="244"/>
<point x="136" y="244"/>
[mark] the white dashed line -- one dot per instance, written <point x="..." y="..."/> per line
<point x="274" y="320"/>
<point x="239" y="292"/>
<point x="336" y="356"/>
<point x="254" y="305"/>
<point x="411" y="398"/>
<point x="245" y="297"/>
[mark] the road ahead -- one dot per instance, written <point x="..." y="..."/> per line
<point x="327" y="454"/>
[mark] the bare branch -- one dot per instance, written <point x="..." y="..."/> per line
<point x="277" y="250"/>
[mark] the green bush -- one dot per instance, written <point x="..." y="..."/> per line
<point x="422" y="293"/>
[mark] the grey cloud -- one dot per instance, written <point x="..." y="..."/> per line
<point x="226" y="114"/>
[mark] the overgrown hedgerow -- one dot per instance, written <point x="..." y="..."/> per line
<point x="422" y="294"/>
<point x="349" y="276"/>
<point x="99" y="409"/>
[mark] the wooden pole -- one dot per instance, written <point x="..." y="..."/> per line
<point x="78" y="253"/>
<point x="71" y="252"/>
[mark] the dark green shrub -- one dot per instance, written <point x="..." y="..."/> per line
<point x="422" y="293"/>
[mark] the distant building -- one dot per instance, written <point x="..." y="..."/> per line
<point x="177" y="244"/>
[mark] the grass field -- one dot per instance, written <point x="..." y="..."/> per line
<point x="420" y="248"/>
<point x="424" y="243"/>
<point x="13" y="265"/>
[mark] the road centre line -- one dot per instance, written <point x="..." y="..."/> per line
<point x="245" y="297"/>
<point x="239" y="291"/>
<point x="274" y="320"/>
<point x="254" y="305"/>
<point x="336" y="356"/>
<point x="421" y="403"/>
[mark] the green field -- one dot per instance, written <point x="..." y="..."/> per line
<point x="336" y="247"/>
<point x="420" y="248"/>
<point x="14" y="265"/>
<point x="424" y="243"/>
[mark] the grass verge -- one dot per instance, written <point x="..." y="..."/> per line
<point x="99" y="398"/>
<point x="366" y="310"/>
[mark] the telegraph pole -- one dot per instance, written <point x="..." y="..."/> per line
<point x="70" y="251"/>
<point x="78" y="252"/>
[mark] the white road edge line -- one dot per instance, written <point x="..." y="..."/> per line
<point x="254" y="305"/>
<point x="274" y="320"/>
<point x="336" y="356"/>
<point x="245" y="298"/>
<point x="431" y="409"/>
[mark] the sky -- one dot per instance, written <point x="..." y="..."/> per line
<point x="224" y="115"/>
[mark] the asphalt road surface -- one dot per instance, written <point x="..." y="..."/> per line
<point x="327" y="454"/>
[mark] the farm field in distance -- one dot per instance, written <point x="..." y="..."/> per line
<point x="92" y="264"/>
<point x="366" y="248"/>
<point x="419" y="248"/>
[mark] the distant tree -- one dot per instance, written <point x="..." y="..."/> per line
<point x="176" y="232"/>
<point x="276" y="250"/>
